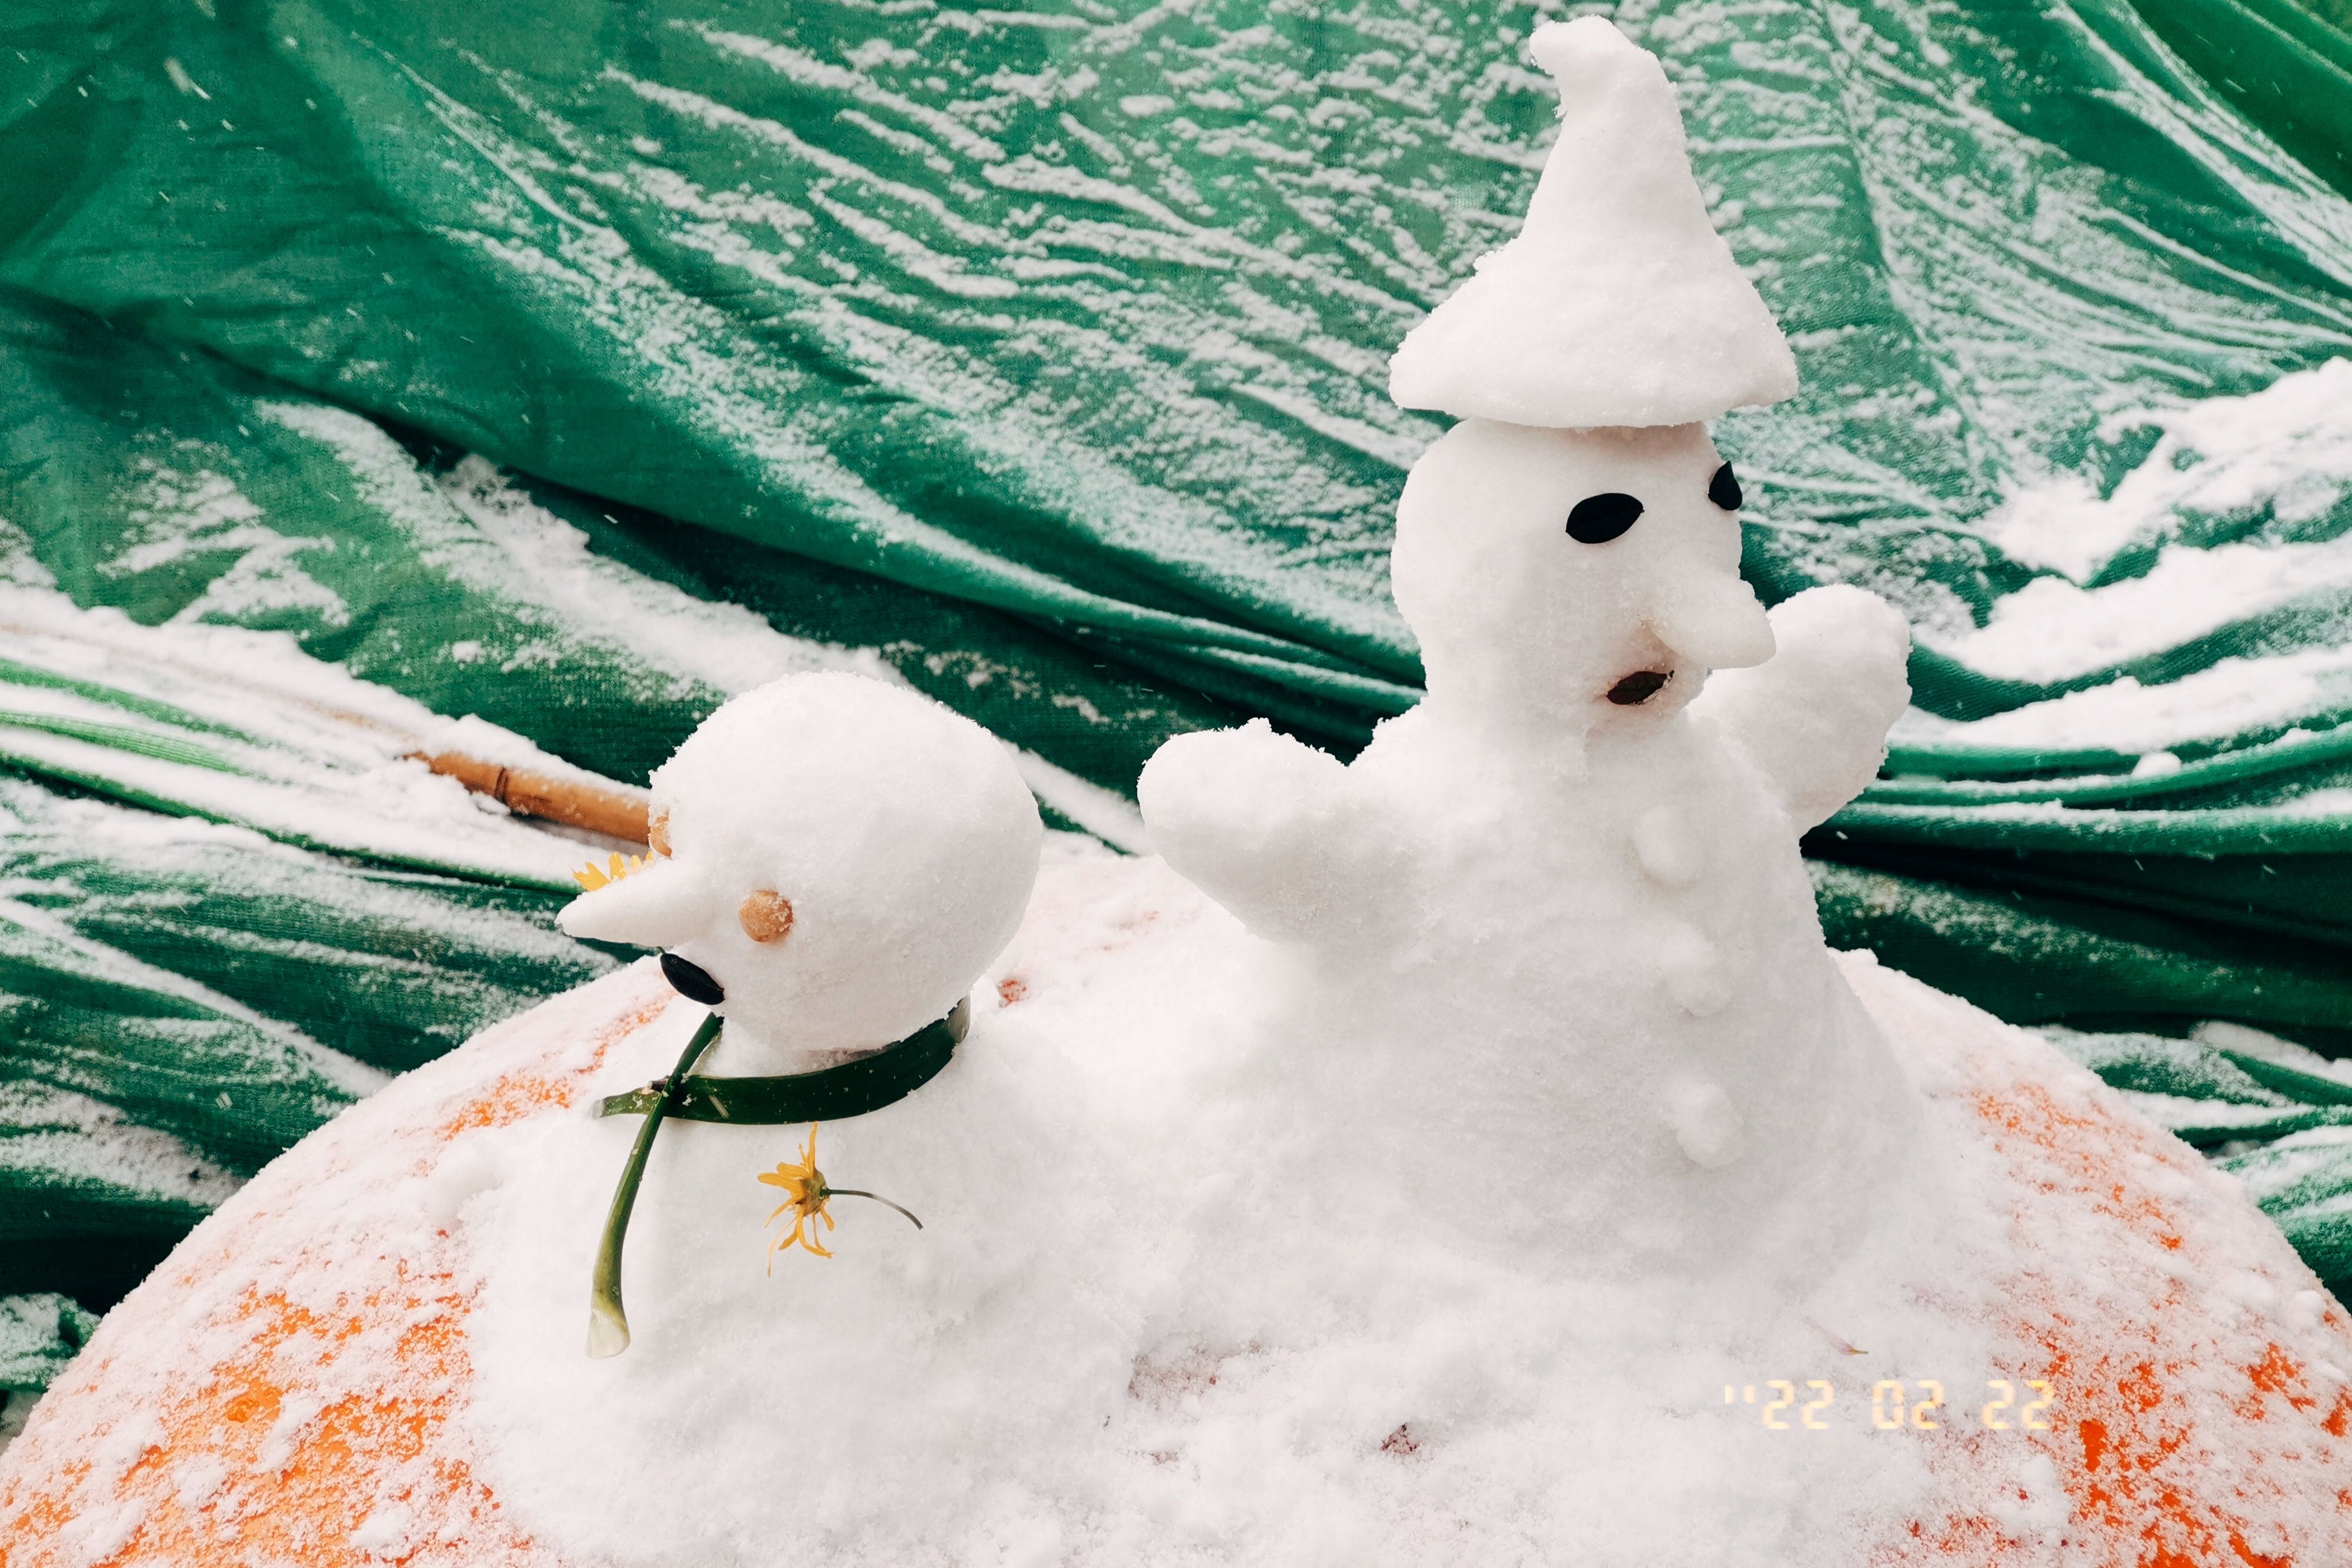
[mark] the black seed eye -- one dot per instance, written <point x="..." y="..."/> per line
<point x="1724" y="489"/>
<point x="692" y="981"/>
<point x="1597" y="520"/>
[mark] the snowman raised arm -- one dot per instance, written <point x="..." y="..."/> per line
<point x="1568" y="554"/>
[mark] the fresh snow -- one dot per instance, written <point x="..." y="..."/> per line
<point x="1617" y="304"/>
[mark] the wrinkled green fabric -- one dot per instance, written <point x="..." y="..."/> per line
<point x="1086" y="318"/>
<point x="2287" y="65"/>
<point x="179" y="1002"/>
<point x="38" y="1334"/>
<point x="141" y="475"/>
<point x="1037" y="355"/>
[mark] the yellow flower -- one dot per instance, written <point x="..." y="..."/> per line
<point x="592" y="877"/>
<point x="805" y="1196"/>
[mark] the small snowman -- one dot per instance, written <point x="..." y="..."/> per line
<point x="1548" y="941"/>
<point x="834" y="861"/>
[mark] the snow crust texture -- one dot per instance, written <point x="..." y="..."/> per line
<point x="1618" y="304"/>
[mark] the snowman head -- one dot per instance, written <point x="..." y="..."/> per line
<point x="838" y="859"/>
<point x="1578" y="577"/>
<point x="1569" y="553"/>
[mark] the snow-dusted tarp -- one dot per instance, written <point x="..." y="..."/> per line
<point x="574" y="364"/>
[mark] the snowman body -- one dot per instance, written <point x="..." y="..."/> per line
<point x="1558" y="943"/>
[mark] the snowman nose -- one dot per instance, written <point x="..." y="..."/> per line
<point x="658" y="906"/>
<point x="1715" y="622"/>
<point x="692" y="980"/>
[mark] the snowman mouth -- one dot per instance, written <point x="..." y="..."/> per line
<point x="1639" y="688"/>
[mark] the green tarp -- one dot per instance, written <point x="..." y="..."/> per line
<point x="575" y="364"/>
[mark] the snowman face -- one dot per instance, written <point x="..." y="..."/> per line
<point x="1588" y="577"/>
<point x="719" y="898"/>
<point x="835" y="863"/>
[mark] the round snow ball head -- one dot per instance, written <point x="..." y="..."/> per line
<point x="838" y="861"/>
<point x="1563" y="577"/>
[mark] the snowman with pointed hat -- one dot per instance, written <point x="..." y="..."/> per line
<point x="1550" y="931"/>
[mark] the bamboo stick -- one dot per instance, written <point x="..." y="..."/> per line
<point x="532" y="794"/>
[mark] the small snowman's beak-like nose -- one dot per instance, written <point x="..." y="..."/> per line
<point x="1715" y="622"/>
<point x="658" y="906"/>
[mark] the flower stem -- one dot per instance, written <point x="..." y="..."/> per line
<point x="608" y="1324"/>
<point x="853" y="1192"/>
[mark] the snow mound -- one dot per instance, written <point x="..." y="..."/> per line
<point x="371" y="1354"/>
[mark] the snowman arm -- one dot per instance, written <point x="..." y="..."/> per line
<point x="1246" y="816"/>
<point x="1814" y="718"/>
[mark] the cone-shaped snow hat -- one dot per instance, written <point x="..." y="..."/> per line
<point x="1618" y="304"/>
